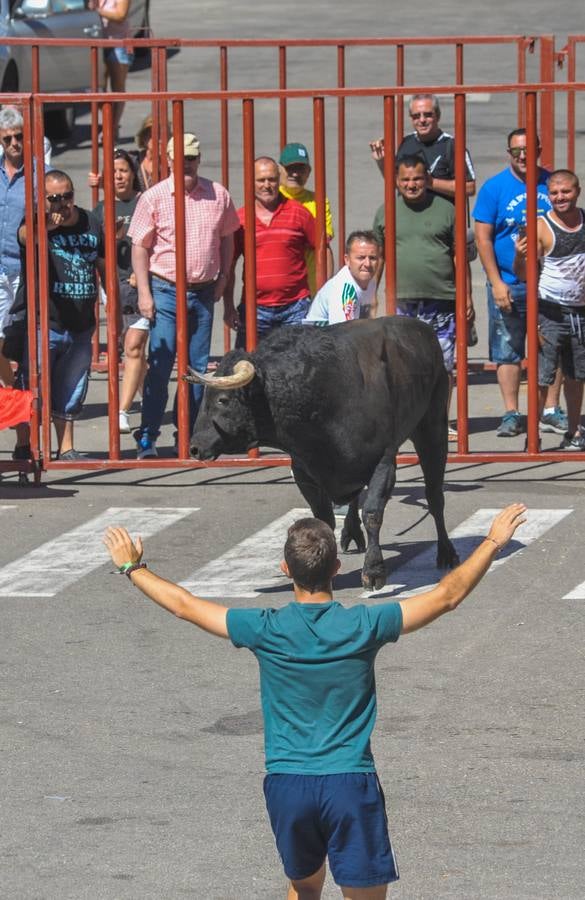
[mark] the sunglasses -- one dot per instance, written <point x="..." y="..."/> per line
<point x="12" y="137"/>
<point x="423" y="115"/>
<point x="517" y="152"/>
<point x="60" y="198"/>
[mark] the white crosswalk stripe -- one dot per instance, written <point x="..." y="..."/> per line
<point x="53" y="566"/>
<point x="420" y="573"/>
<point x="249" y="568"/>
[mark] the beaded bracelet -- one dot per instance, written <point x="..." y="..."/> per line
<point x="129" y="567"/>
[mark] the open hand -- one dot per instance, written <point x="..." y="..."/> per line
<point x="121" y="547"/>
<point x="506" y="523"/>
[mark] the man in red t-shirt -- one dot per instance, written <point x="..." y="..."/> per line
<point x="285" y="230"/>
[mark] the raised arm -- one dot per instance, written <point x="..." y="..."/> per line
<point x="208" y="616"/>
<point x="453" y="588"/>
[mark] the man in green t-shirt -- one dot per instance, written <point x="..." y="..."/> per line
<point x="425" y="256"/>
<point x="318" y="693"/>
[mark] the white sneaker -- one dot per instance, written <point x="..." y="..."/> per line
<point x="124" y="422"/>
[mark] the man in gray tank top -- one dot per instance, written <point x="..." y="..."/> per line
<point x="561" y="297"/>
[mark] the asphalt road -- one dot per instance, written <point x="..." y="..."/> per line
<point x="132" y="744"/>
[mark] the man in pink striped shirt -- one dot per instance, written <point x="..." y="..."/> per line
<point x="210" y="223"/>
<point x="285" y="230"/>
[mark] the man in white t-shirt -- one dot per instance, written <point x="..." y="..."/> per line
<point x="351" y="294"/>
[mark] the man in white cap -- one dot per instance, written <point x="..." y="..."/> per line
<point x="210" y="223"/>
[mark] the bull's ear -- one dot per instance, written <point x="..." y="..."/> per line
<point x="242" y="375"/>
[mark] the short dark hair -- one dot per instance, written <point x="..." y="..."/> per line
<point x="58" y="175"/>
<point x="411" y="161"/>
<point x="517" y="132"/>
<point x="563" y="173"/>
<point x="364" y="237"/>
<point x="310" y="553"/>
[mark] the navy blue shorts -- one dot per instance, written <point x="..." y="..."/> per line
<point x="342" y="817"/>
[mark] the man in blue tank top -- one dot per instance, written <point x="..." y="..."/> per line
<point x="561" y="297"/>
<point x="318" y="693"/>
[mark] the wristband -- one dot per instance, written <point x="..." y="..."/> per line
<point x="129" y="567"/>
<point x="493" y="542"/>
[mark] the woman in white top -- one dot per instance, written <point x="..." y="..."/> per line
<point x="118" y="60"/>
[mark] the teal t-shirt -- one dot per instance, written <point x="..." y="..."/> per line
<point x="317" y="681"/>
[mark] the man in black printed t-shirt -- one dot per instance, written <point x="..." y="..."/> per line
<point x="435" y="146"/>
<point x="76" y="256"/>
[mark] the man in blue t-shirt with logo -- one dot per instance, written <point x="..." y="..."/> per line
<point x="500" y="218"/>
<point x="318" y="693"/>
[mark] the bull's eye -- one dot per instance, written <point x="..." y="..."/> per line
<point x="222" y="401"/>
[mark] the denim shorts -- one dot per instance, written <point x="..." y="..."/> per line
<point x="270" y="317"/>
<point x="507" y="331"/>
<point x="440" y="315"/>
<point x="562" y="341"/>
<point x="341" y="817"/>
<point x="120" y="55"/>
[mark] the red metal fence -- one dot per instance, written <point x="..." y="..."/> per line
<point x="536" y="104"/>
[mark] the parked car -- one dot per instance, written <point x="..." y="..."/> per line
<point x="59" y="71"/>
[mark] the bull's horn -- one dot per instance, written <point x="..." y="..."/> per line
<point x="243" y="374"/>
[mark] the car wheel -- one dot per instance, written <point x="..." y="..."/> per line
<point x="60" y="123"/>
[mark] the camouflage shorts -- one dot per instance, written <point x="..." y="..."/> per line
<point x="440" y="315"/>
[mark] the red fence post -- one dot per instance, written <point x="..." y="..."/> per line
<point x="43" y="281"/>
<point x="461" y="273"/>
<point x="389" y="205"/>
<point x="111" y="285"/>
<point x="249" y="226"/>
<point x="282" y="86"/>
<point x="400" y="83"/>
<point x="341" y="164"/>
<point x="547" y="101"/>
<point x="320" y="224"/>
<point x="532" y="445"/>
<point x="571" y="74"/>
<point x="28" y="112"/>
<point x="181" y="280"/>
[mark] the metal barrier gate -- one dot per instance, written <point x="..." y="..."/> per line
<point x="532" y="98"/>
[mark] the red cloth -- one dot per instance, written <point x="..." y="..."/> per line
<point x="281" y="269"/>
<point x="15" y="407"/>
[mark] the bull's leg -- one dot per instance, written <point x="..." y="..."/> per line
<point x="321" y="505"/>
<point x="352" y="530"/>
<point x="379" y="491"/>
<point x="431" y="443"/>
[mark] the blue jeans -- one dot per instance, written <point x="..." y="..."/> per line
<point x="163" y="348"/>
<point x="270" y="317"/>
<point x="507" y="331"/>
<point x="70" y="359"/>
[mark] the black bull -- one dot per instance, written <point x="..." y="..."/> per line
<point x="340" y="400"/>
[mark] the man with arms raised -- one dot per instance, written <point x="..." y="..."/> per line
<point x="318" y="689"/>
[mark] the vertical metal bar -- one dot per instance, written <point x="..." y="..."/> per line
<point x="320" y="224"/>
<point x="571" y="73"/>
<point x="532" y="270"/>
<point x="249" y="234"/>
<point x="461" y="273"/>
<point x="111" y="285"/>
<point x="224" y="118"/>
<point x="249" y="226"/>
<point x="28" y="112"/>
<point x="155" y="115"/>
<point x="458" y="63"/>
<point x="95" y="167"/>
<point x="341" y="154"/>
<point x="390" y="205"/>
<point x="36" y="77"/>
<point x="547" y="101"/>
<point x="521" y="78"/>
<point x="282" y="86"/>
<point x="43" y="275"/>
<point x="181" y="280"/>
<point x="163" y="112"/>
<point x="225" y="165"/>
<point x="400" y="83"/>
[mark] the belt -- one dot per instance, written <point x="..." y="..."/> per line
<point x="190" y="285"/>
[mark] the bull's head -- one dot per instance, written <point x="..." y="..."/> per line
<point x="225" y="423"/>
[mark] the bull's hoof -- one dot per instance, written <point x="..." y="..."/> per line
<point x="447" y="556"/>
<point x="352" y="534"/>
<point x="374" y="581"/>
